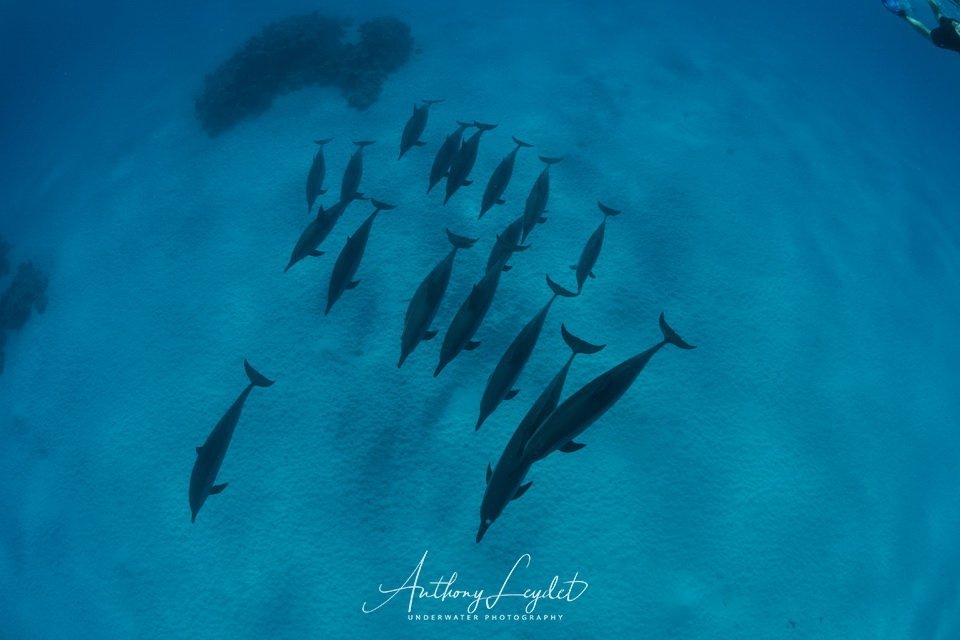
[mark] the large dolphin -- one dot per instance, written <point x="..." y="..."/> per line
<point x="536" y="204"/>
<point x="210" y="455"/>
<point x="350" y="184"/>
<point x="592" y="400"/>
<point x="315" y="232"/>
<point x="591" y="251"/>
<point x="514" y="359"/>
<point x="507" y="242"/>
<point x="415" y="127"/>
<point x="504" y="480"/>
<point x="500" y="178"/>
<point x="446" y="153"/>
<point x="341" y="278"/>
<point x="318" y="171"/>
<point x="468" y="318"/>
<point x="426" y="301"/>
<point x="462" y="163"/>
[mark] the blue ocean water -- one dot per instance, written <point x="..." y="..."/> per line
<point x="786" y="173"/>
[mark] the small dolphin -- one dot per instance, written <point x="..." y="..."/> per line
<point x="354" y="172"/>
<point x="415" y="126"/>
<point x="341" y="278"/>
<point x="426" y="301"/>
<point x="592" y="400"/>
<point x="508" y="242"/>
<point x="514" y="359"/>
<point x="469" y="316"/>
<point x="446" y="153"/>
<point x="462" y="163"/>
<point x="500" y="178"/>
<point x="315" y="232"/>
<point x="591" y="251"/>
<point x="536" y="204"/>
<point x="504" y="480"/>
<point x="318" y="171"/>
<point x="210" y="455"/>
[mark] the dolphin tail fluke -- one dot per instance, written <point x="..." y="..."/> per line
<point x="671" y="336"/>
<point x="323" y="141"/>
<point x="437" y="101"/>
<point x="550" y="160"/>
<point x="521" y="143"/>
<point x="460" y="242"/>
<point x="558" y="290"/>
<point x="608" y="211"/>
<point x="257" y="379"/>
<point x="578" y="345"/>
<point x="363" y="143"/>
<point x="466" y="125"/>
<point x="484" y="127"/>
<point x="381" y="206"/>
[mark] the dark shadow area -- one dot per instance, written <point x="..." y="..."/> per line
<point x="27" y="292"/>
<point x="298" y="52"/>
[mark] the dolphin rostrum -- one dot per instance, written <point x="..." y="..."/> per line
<point x="500" y="178"/>
<point x="415" y="127"/>
<point x="536" y="204"/>
<point x="318" y="171"/>
<point x="514" y="359"/>
<point x="468" y="318"/>
<point x="591" y="401"/>
<point x="591" y="251"/>
<point x="446" y="153"/>
<point x="354" y="172"/>
<point x="507" y="242"/>
<point x="462" y="163"/>
<point x="426" y="301"/>
<point x="316" y="232"/>
<point x="341" y="278"/>
<point x="504" y="480"/>
<point x="210" y="455"/>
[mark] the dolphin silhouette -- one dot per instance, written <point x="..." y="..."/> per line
<point x="507" y="243"/>
<point x="462" y="163"/>
<point x="514" y="359"/>
<point x="426" y="301"/>
<point x="493" y="194"/>
<point x="415" y="127"/>
<point x="504" y="481"/>
<point x="354" y="172"/>
<point x="446" y="153"/>
<point x="341" y="278"/>
<point x="536" y="204"/>
<point x="210" y="455"/>
<point x="318" y="171"/>
<point x="591" y="251"/>
<point x="592" y="400"/>
<point x="317" y="231"/>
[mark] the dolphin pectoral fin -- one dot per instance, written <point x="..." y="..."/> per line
<point x="507" y="267"/>
<point x="572" y="446"/>
<point x="593" y="275"/>
<point x="430" y="335"/>
<point x="322" y="191"/>
<point x="471" y="345"/>
<point x="316" y="253"/>
<point x="512" y="394"/>
<point x="467" y="183"/>
<point x="522" y="490"/>
<point x="199" y="449"/>
<point x="501" y="201"/>
<point x="489" y="473"/>
<point x="353" y="285"/>
<point x="542" y="219"/>
<point x="573" y="267"/>
<point x="419" y="143"/>
<point x="217" y="488"/>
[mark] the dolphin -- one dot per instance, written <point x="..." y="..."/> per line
<point x="341" y="278"/>
<point x="210" y="455"/>
<point x="514" y="359"/>
<point x="426" y="301"/>
<point x="536" y="204"/>
<point x="591" y="251"/>
<point x="468" y="318"/>
<point x="318" y="170"/>
<point x="446" y="153"/>
<point x="354" y="171"/>
<point x="504" y="480"/>
<point x="592" y="400"/>
<point x="415" y="126"/>
<point x="315" y="232"/>
<point x="462" y="163"/>
<point x="500" y="178"/>
<point x="508" y="242"/>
